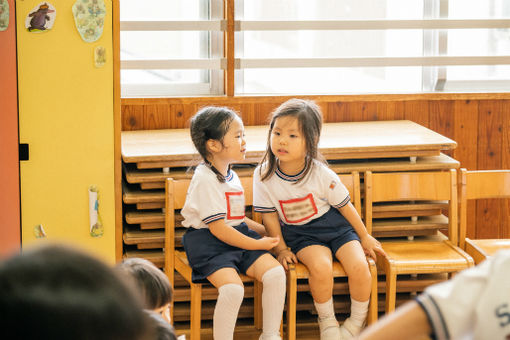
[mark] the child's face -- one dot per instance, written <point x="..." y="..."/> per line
<point x="234" y="143"/>
<point x="287" y="141"/>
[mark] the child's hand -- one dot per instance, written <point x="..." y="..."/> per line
<point x="285" y="257"/>
<point x="371" y="245"/>
<point x="268" y="243"/>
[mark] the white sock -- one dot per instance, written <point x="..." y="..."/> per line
<point x="325" y="310"/>
<point x="273" y="299"/>
<point x="227" y="307"/>
<point x="359" y="311"/>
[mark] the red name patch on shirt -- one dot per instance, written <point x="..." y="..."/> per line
<point x="298" y="209"/>
<point x="235" y="205"/>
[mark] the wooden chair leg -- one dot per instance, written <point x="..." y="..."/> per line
<point x="373" y="306"/>
<point x="257" y="304"/>
<point x="195" y="311"/>
<point x="391" y="290"/>
<point x="291" y="303"/>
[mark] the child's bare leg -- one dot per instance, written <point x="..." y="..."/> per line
<point x="231" y="293"/>
<point x="268" y="270"/>
<point x="353" y="259"/>
<point x="318" y="260"/>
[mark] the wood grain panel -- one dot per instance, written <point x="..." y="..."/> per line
<point x="490" y="128"/>
<point x="440" y="116"/>
<point x="417" y="111"/>
<point x="465" y="122"/>
<point x="505" y="164"/>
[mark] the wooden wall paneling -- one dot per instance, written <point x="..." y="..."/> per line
<point x="368" y="111"/>
<point x="417" y="111"/>
<point x="158" y="117"/>
<point x="505" y="164"/>
<point x="350" y="112"/>
<point x="465" y="126"/>
<point x="246" y="111"/>
<point x="441" y="118"/>
<point x="263" y="110"/>
<point x="390" y="110"/>
<point x="465" y="122"/>
<point x="132" y="117"/>
<point x="488" y="214"/>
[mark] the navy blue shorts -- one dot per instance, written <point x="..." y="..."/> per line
<point x="331" y="230"/>
<point x="207" y="254"/>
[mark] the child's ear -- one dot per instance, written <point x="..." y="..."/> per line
<point x="213" y="145"/>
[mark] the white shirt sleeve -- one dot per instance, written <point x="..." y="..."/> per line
<point x="261" y="198"/>
<point x="336" y="192"/>
<point x="205" y="201"/>
<point x="474" y="304"/>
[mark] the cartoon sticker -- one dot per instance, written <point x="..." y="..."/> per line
<point x="4" y="15"/>
<point x="39" y="231"/>
<point x="41" y="18"/>
<point x="89" y="18"/>
<point x="99" y="56"/>
<point x="96" y="225"/>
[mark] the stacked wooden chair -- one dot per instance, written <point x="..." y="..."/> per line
<point x="176" y="260"/>
<point x="427" y="254"/>
<point x="299" y="271"/>
<point x="482" y="185"/>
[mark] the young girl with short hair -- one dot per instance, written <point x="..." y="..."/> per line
<point x="151" y="283"/>
<point x="220" y="241"/>
<point x="309" y="209"/>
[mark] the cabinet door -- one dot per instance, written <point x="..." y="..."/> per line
<point x="66" y="117"/>
<point x="9" y="169"/>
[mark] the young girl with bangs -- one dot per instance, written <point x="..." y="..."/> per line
<point x="304" y="204"/>
<point x="221" y="241"/>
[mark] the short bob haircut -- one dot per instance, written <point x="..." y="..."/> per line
<point x="150" y="281"/>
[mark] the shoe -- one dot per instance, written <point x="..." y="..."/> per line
<point x="330" y="330"/>
<point x="349" y="330"/>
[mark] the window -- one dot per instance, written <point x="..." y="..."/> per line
<point x="170" y="48"/>
<point x="316" y="47"/>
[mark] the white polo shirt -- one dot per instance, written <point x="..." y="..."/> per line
<point x="209" y="200"/>
<point x="299" y="203"/>
<point x="475" y="304"/>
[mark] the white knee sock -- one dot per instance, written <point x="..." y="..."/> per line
<point x="273" y="299"/>
<point x="325" y="310"/>
<point x="359" y="311"/>
<point x="227" y="307"/>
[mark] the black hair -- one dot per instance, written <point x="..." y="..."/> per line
<point x="162" y="330"/>
<point x="210" y="122"/>
<point x="150" y="281"/>
<point x="309" y="118"/>
<point x="56" y="292"/>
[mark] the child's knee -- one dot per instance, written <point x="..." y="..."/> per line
<point x="232" y="291"/>
<point x="321" y="270"/>
<point x="274" y="275"/>
<point x="360" y="272"/>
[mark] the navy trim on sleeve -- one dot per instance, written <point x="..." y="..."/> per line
<point x="436" y="319"/>
<point x="344" y="202"/>
<point x="264" y="209"/>
<point x="214" y="217"/>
